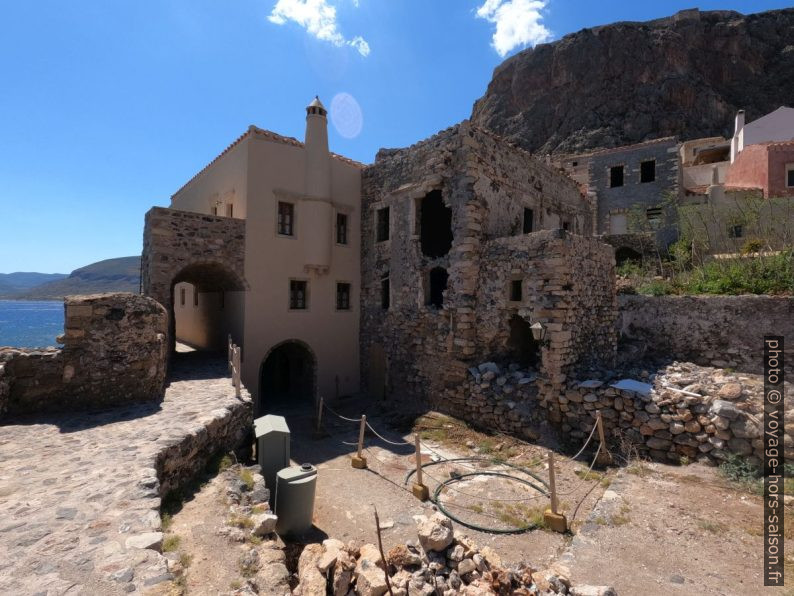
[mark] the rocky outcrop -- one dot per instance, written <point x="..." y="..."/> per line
<point x="622" y="83"/>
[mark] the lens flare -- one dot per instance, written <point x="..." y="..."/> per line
<point x="346" y="115"/>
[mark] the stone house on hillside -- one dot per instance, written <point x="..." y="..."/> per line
<point x="328" y="272"/>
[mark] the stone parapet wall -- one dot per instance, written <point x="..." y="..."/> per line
<point x="114" y="353"/>
<point x="685" y="411"/>
<point x="221" y="431"/>
<point x="722" y="331"/>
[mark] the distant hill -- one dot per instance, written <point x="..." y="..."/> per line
<point x="112" y="275"/>
<point x="15" y="283"/>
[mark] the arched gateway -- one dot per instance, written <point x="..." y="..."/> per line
<point x="192" y="264"/>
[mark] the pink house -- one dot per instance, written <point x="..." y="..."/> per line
<point x="767" y="166"/>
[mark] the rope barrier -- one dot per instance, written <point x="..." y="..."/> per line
<point x="587" y="442"/>
<point x="327" y="407"/>
<point x="385" y="440"/>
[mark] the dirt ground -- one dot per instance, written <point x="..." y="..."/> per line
<point x="643" y="528"/>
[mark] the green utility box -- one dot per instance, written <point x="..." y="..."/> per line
<point x="295" y="489"/>
<point x="272" y="448"/>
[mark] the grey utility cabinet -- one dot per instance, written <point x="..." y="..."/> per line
<point x="272" y="448"/>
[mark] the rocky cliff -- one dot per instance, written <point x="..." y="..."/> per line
<point x="627" y="82"/>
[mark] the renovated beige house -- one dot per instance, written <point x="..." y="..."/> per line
<point x="297" y="317"/>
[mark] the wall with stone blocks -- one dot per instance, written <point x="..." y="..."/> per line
<point x="187" y="457"/>
<point x="722" y="331"/>
<point x="114" y="352"/>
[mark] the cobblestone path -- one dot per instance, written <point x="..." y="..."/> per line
<point x="79" y="493"/>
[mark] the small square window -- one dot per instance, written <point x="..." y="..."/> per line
<point x="647" y="171"/>
<point x="341" y="228"/>
<point x="529" y="218"/>
<point x="382" y="223"/>
<point x="615" y="176"/>
<point x="654" y="216"/>
<point x="385" y="289"/>
<point x="286" y="218"/>
<point x="790" y="177"/>
<point x="516" y="291"/>
<point x="342" y="296"/>
<point x="298" y="294"/>
<point x="566" y="225"/>
<point x="736" y="231"/>
<point x="574" y="163"/>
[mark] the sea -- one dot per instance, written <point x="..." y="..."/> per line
<point x="30" y="323"/>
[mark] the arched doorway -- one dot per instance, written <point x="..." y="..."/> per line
<point x="287" y="377"/>
<point x="207" y="303"/>
<point x="523" y="348"/>
<point x="624" y="255"/>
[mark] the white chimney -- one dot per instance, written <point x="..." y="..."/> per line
<point x="737" y="142"/>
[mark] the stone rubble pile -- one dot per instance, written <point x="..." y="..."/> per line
<point x="681" y="411"/>
<point x="441" y="562"/>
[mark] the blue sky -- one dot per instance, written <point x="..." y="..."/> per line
<point x="108" y="107"/>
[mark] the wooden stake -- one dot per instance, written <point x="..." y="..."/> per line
<point x="603" y="455"/>
<point x="419" y="490"/>
<point x="382" y="556"/>
<point x="361" y="435"/>
<point x="552" y="483"/>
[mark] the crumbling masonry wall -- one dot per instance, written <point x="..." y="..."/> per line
<point x="567" y="281"/>
<point x="114" y="353"/>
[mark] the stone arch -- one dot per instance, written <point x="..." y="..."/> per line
<point x="205" y="250"/>
<point x="287" y="376"/>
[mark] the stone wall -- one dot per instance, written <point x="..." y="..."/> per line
<point x="427" y="341"/>
<point x="114" y="352"/>
<point x="722" y="331"/>
<point x="207" y="251"/>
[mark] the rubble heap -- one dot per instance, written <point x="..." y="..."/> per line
<point x="441" y="561"/>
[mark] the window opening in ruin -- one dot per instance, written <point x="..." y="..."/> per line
<point x="342" y="296"/>
<point x="790" y="175"/>
<point x="382" y="225"/>
<point x="574" y="163"/>
<point x="286" y="218"/>
<point x="230" y="210"/>
<point x="615" y="176"/>
<point x="566" y="225"/>
<point x="182" y="296"/>
<point x="736" y="231"/>
<point x="648" y="171"/>
<point x="384" y="292"/>
<point x="341" y="228"/>
<point x="627" y="255"/>
<point x="298" y="290"/>
<point x="529" y="217"/>
<point x="654" y="216"/>
<point x="435" y="226"/>
<point x="438" y="283"/>
<point x="522" y="346"/>
<point x="516" y="292"/>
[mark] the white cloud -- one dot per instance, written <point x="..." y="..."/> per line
<point x="517" y="23"/>
<point x="318" y="17"/>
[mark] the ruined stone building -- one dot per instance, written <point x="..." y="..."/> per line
<point x="418" y="266"/>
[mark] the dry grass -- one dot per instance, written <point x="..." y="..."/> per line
<point x="171" y="543"/>
<point x="243" y="522"/>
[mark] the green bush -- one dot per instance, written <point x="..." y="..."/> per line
<point x="769" y="274"/>
<point x="739" y="469"/>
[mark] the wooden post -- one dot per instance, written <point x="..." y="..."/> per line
<point x="603" y="457"/>
<point x="554" y="521"/>
<point x="552" y="483"/>
<point x="359" y="461"/>
<point x="419" y="490"/>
